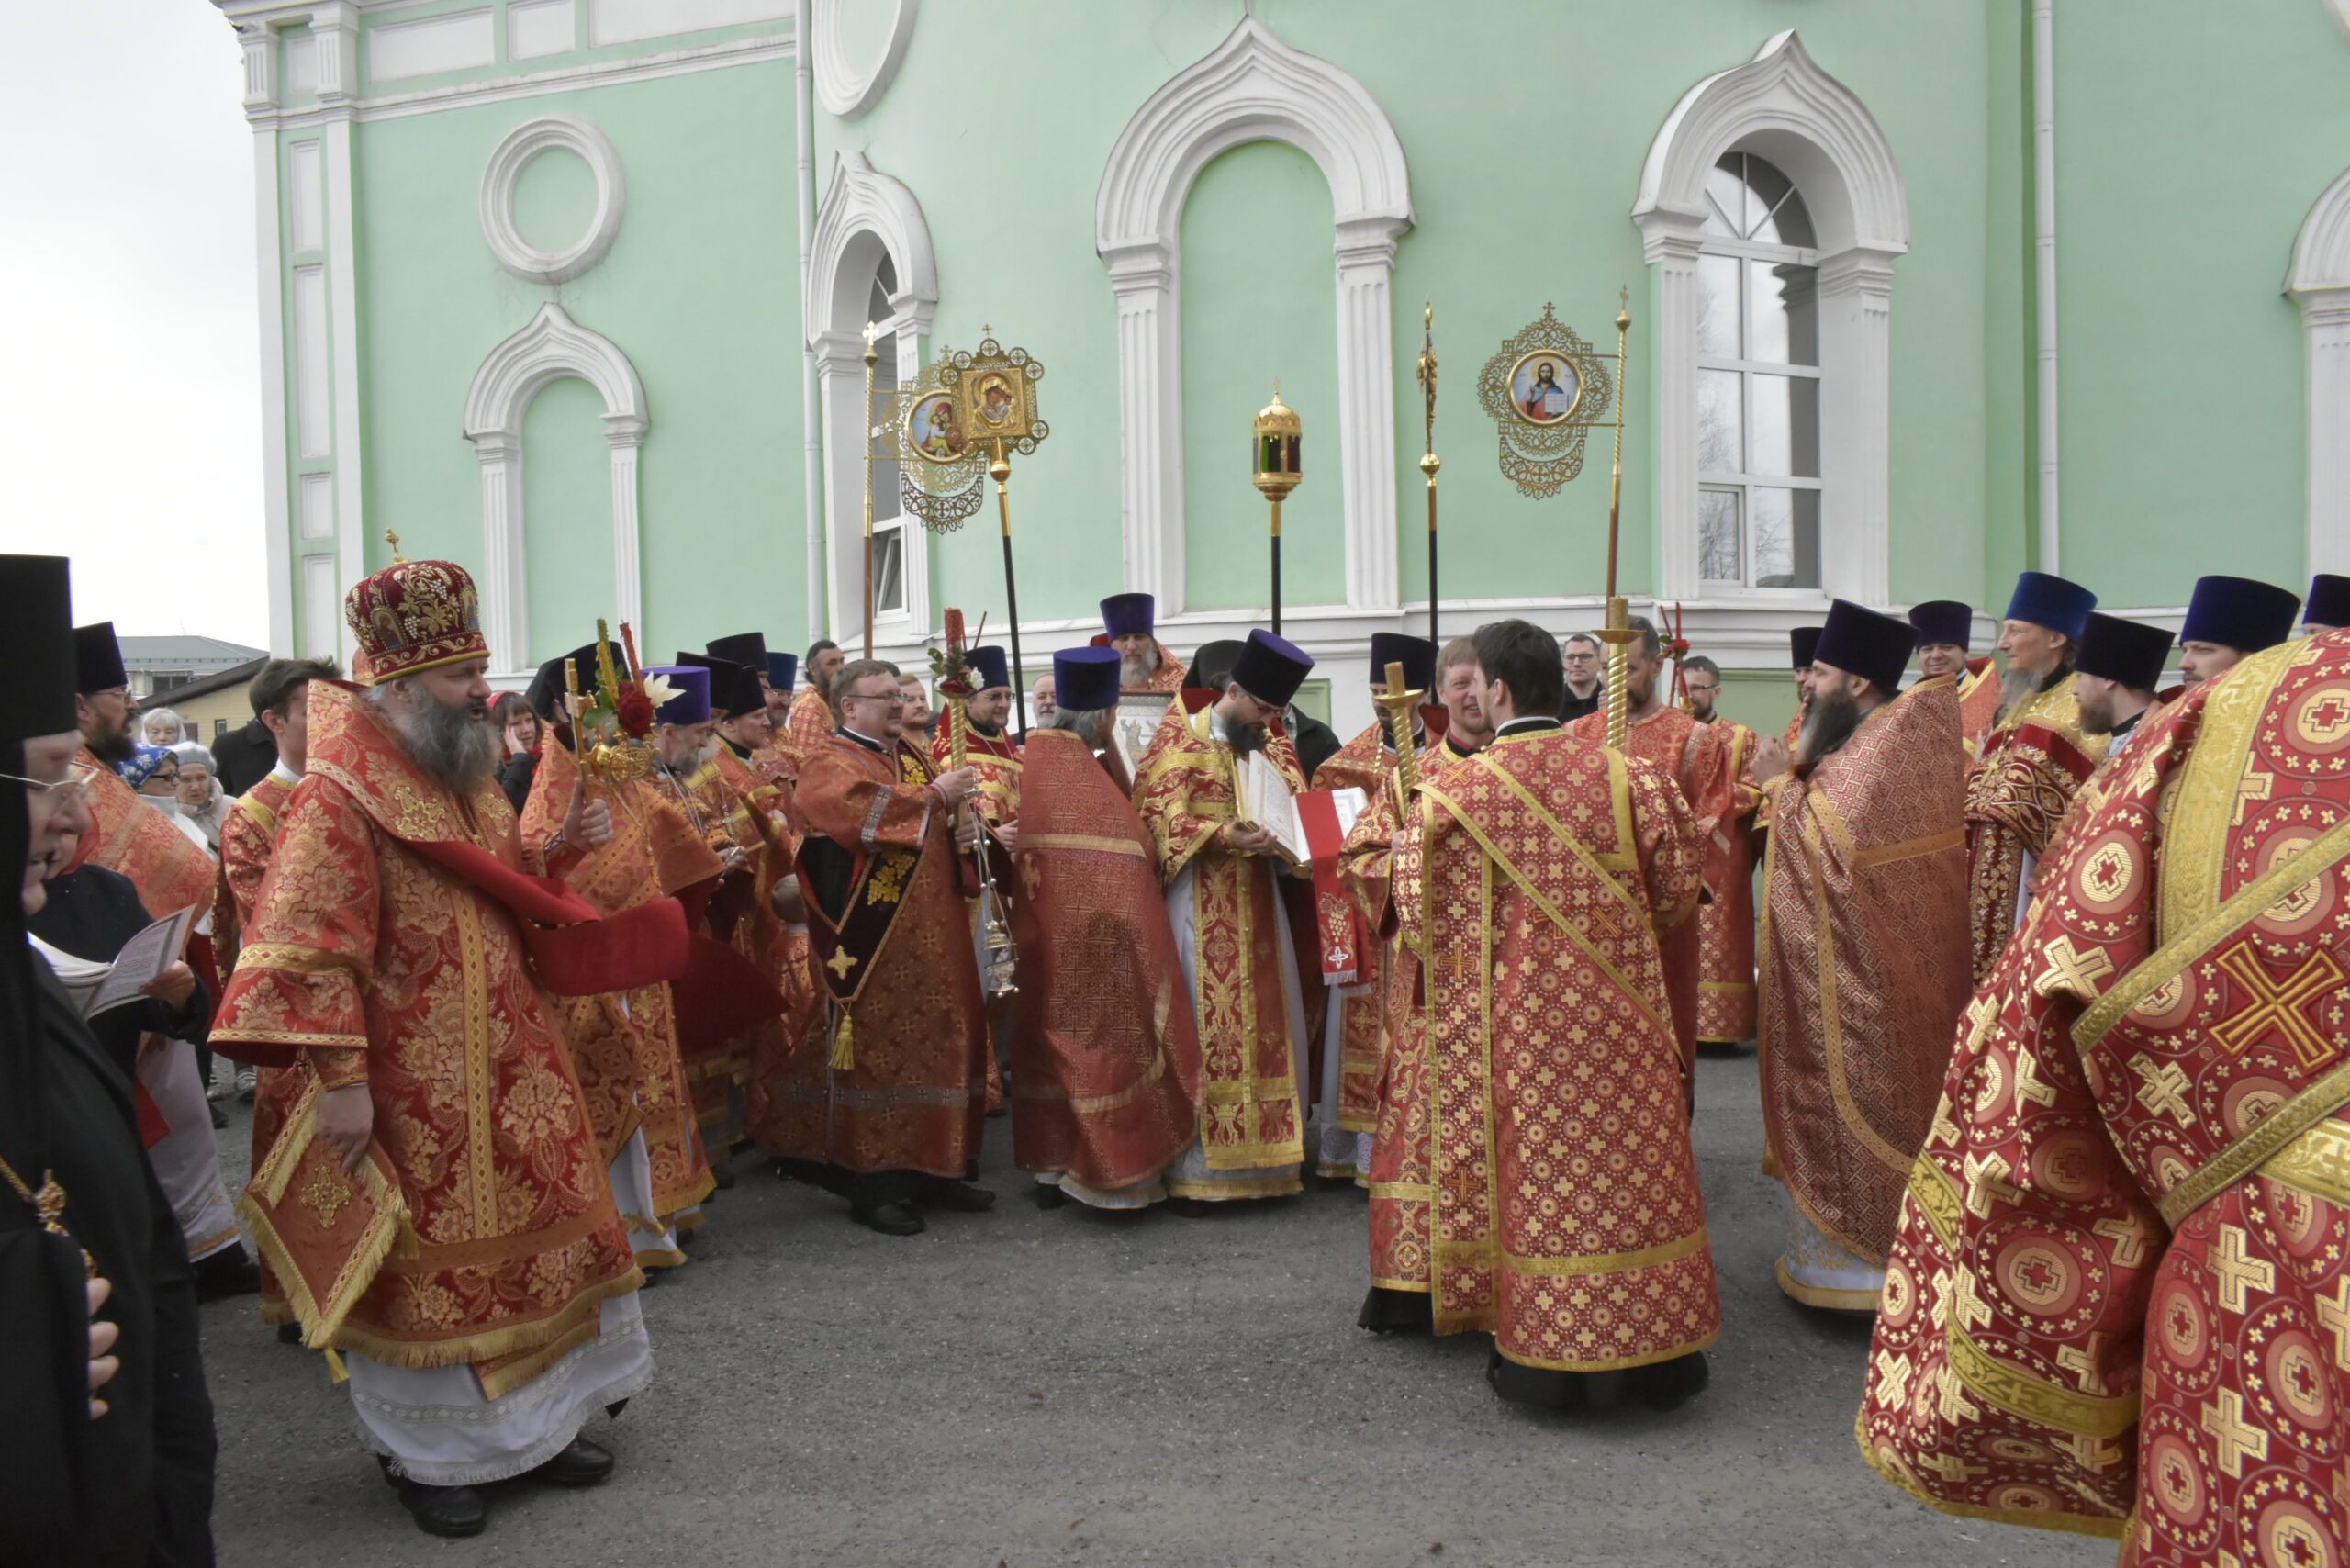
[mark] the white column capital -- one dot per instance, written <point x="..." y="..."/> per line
<point x="1861" y="269"/>
<point x="624" y="430"/>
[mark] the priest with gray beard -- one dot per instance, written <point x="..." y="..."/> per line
<point x="402" y="948"/>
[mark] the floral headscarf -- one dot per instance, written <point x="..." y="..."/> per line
<point x="144" y="763"/>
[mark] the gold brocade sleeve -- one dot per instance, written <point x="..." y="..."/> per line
<point x="245" y="839"/>
<point x="858" y="808"/>
<point x="1184" y="798"/>
<point x="1671" y="849"/>
<point x="302" y="977"/>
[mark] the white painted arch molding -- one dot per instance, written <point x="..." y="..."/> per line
<point x="2317" y="280"/>
<point x="865" y="214"/>
<point x="844" y="89"/>
<point x="522" y="144"/>
<point x="1781" y="105"/>
<point x="1253" y="88"/>
<point x="550" y="347"/>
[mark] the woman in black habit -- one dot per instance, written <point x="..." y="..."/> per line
<point x="121" y="1473"/>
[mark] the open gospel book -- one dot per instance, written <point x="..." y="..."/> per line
<point x="98" y="987"/>
<point x="1263" y="799"/>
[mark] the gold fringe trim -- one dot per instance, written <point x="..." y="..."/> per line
<point x="489" y="1346"/>
<point x="844" y="1057"/>
<point x="1263" y="1187"/>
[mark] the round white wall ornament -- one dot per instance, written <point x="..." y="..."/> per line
<point x="524" y="142"/>
<point x="845" y="89"/>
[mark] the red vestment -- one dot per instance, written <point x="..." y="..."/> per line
<point x="1726" y="921"/>
<point x="1166" y="675"/>
<point x="995" y="759"/>
<point x="1105" y="1055"/>
<point x="1401" y="1150"/>
<point x="1863" y="968"/>
<point x="1978" y="703"/>
<point x="624" y="1044"/>
<point x="1366" y="763"/>
<point x="2120" y="1297"/>
<point x="382" y="966"/>
<point x="131" y="837"/>
<point x="807" y="728"/>
<point x="912" y="1095"/>
<point x="1568" y="1222"/>
<point x="2030" y="768"/>
<point x="722" y="800"/>
<point x="247" y="836"/>
<point x="1251" y="1117"/>
<point x="1697" y="757"/>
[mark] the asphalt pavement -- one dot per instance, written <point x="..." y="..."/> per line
<point x="1019" y="1389"/>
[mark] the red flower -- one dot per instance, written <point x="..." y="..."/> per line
<point x="635" y="711"/>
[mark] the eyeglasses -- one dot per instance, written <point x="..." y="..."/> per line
<point x="893" y="698"/>
<point x="77" y="779"/>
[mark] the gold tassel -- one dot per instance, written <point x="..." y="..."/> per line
<point x="843" y="1050"/>
<point x="335" y="1367"/>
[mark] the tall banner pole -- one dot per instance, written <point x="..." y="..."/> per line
<point x="1618" y="633"/>
<point x="1000" y="470"/>
<point x="1429" y="461"/>
<point x="872" y="357"/>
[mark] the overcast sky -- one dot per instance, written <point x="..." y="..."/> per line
<point x="130" y="409"/>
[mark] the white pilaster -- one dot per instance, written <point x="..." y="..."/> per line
<point x="2325" y="327"/>
<point x="258" y="44"/>
<point x="1366" y="253"/>
<point x="840" y="373"/>
<point x="1672" y="249"/>
<point x="625" y="435"/>
<point x="1856" y="424"/>
<point x="1150" y="423"/>
<point x="505" y="605"/>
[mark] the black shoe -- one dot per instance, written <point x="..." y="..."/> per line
<point x="289" y="1333"/>
<point x="815" y="1173"/>
<point x="446" y="1510"/>
<point x="723" y="1177"/>
<point x="1544" y="1386"/>
<point x="220" y="1117"/>
<point x="1049" y="1195"/>
<point x="898" y="1218"/>
<point x="961" y="1197"/>
<point x="1668" y="1386"/>
<point x="225" y="1273"/>
<point x="1388" y="1312"/>
<point x="652" y="1278"/>
<point x="581" y="1464"/>
<point x="1190" y="1208"/>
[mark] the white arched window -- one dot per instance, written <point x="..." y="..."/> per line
<point x="889" y="535"/>
<point x="871" y="266"/>
<point x="1758" y="381"/>
<point x="1772" y="210"/>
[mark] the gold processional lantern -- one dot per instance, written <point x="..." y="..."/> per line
<point x="1275" y="471"/>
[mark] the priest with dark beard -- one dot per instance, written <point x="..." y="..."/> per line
<point x="1864" y="961"/>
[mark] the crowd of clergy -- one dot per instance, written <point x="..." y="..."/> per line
<point x="2042" y="956"/>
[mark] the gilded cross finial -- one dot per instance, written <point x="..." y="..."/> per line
<point x="393" y="540"/>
